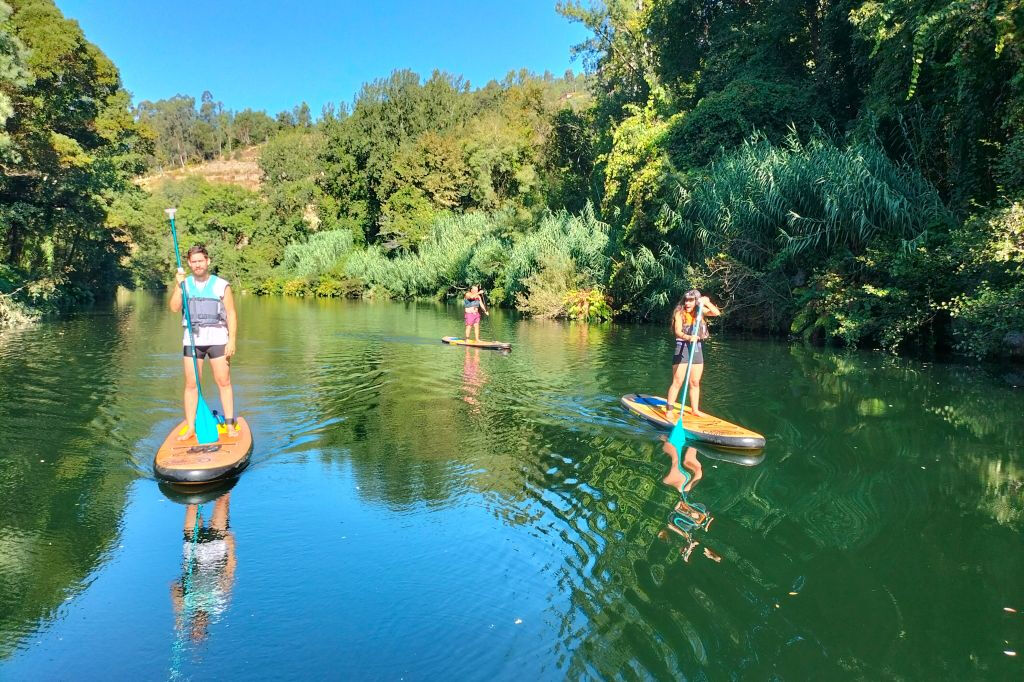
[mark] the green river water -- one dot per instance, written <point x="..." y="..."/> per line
<point x="420" y="511"/>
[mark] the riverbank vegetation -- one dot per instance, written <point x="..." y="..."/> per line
<point x="844" y="172"/>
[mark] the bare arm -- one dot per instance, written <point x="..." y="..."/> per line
<point x="229" y="308"/>
<point x="175" y="302"/>
<point x="482" y="306"/>
<point x="710" y="309"/>
<point x="677" y="326"/>
<point x="685" y="331"/>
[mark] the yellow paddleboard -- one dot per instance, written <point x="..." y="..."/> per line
<point x="490" y="345"/>
<point x="188" y="462"/>
<point x="703" y="429"/>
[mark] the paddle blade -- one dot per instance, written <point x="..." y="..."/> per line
<point x="678" y="436"/>
<point x="206" y="424"/>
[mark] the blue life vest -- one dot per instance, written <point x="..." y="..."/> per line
<point x="204" y="306"/>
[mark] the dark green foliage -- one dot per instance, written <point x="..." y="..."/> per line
<point x="724" y="119"/>
<point x="569" y="157"/>
<point x="988" y="316"/>
<point x="765" y="202"/>
<point x="244" y="237"/>
<point x="68" y="146"/>
<point x="839" y="170"/>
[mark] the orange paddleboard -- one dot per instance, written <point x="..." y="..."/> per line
<point x="703" y="429"/>
<point x="186" y="461"/>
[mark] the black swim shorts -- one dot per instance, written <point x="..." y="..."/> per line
<point x="203" y="352"/>
<point x="682" y="353"/>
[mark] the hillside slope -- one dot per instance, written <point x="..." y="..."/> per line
<point x="243" y="171"/>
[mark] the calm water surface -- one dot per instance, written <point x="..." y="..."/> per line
<point x="420" y="511"/>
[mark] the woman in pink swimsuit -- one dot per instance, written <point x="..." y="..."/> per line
<point x="472" y="304"/>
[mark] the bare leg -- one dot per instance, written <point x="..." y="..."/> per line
<point x="468" y="327"/>
<point x="190" y="519"/>
<point x="678" y="375"/>
<point x="219" y="521"/>
<point x="222" y="375"/>
<point x="476" y="331"/>
<point x="692" y="464"/>
<point x="675" y="477"/>
<point x="695" y="375"/>
<point x="190" y="397"/>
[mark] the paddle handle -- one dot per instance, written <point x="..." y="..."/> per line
<point x="184" y="301"/>
<point x="184" y="294"/>
<point x="174" y="233"/>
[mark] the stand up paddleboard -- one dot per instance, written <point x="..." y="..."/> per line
<point x="490" y="345"/>
<point x="188" y="462"/>
<point x="704" y="429"/>
<point x="196" y="493"/>
<point x="746" y="458"/>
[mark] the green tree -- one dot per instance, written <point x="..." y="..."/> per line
<point x="70" y="145"/>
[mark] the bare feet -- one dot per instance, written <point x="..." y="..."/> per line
<point x="671" y="416"/>
<point x="187" y="433"/>
<point x="232" y="428"/>
<point x="696" y="413"/>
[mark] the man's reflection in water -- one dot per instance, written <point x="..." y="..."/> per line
<point x="473" y="378"/>
<point x="202" y="594"/>
<point x="686" y="517"/>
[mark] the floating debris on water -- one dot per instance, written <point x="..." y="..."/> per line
<point x="798" y="585"/>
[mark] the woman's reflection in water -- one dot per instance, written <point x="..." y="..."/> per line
<point x="473" y="378"/>
<point x="202" y="594"/>
<point x="686" y="517"/>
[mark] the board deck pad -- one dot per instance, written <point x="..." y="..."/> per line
<point x="188" y="462"/>
<point x="704" y="429"/>
<point x="491" y="345"/>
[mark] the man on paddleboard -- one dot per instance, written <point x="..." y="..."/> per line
<point x="215" y="327"/>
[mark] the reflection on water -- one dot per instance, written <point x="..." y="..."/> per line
<point x="408" y="499"/>
<point x="473" y="379"/>
<point x="202" y="594"/>
<point x="687" y="516"/>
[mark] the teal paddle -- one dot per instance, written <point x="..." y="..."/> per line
<point x="187" y="607"/>
<point x="206" y="423"/>
<point x="678" y="436"/>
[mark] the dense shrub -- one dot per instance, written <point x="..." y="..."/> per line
<point x="988" y="317"/>
<point x="320" y="253"/>
<point x="764" y="202"/>
<point x="724" y="119"/>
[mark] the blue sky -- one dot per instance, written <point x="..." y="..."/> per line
<point x="271" y="55"/>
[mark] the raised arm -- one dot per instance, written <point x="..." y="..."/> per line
<point x="175" y="302"/>
<point x="710" y="309"/>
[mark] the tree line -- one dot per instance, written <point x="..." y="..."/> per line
<point x="842" y="171"/>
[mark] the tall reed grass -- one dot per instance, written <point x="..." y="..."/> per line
<point x="766" y="201"/>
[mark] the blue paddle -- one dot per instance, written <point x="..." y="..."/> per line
<point x="206" y="423"/>
<point x="678" y="435"/>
